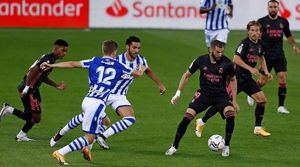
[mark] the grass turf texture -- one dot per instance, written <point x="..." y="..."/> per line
<point x="169" y="53"/>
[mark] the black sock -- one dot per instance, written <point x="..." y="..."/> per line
<point x="281" y="95"/>
<point x="229" y="129"/>
<point x="20" y="114"/>
<point x="259" y="113"/>
<point x="181" y="130"/>
<point x="209" y="113"/>
<point x="28" y="125"/>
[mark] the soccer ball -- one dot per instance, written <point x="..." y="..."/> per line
<point x="216" y="142"/>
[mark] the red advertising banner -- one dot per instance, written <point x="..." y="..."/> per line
<point x="44" y="13"/>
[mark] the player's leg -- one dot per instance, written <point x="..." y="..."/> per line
<point x="123" y="108"/>
<point x="94" y="111"/>
<point x="73" y="123"/>
<point x="187" y="118"/>
<point x="260" y="99"/>
<point x="32" y="114"/>
<point x="200" y="123"/>
<point x="208" y="37"/>
<point x="229" y="114"/>
<point x="282" y="90"/>
<point x="199" y="104"/>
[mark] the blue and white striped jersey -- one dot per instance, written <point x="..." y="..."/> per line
<point x="104" y="74"/>
<point x="216" y="19"/>
<point x="122" y="86"/>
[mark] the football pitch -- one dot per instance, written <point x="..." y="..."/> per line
<point x="169" y="53"/>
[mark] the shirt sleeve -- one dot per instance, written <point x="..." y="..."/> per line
<point x="241" y="50"/>
<point x="286" y="29"/>
<point x="194" y="66"/>
<point x="145" y="63"/>
<point x="86" y="63"/>
<point x="125" y="69"/>
<point x="231" y="70"/>
<point x="204" y="4"/>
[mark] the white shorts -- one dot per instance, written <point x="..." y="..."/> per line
<point x="94" y="113"/>
<point x="117" y="101"/>
<point x="220" y="35"/>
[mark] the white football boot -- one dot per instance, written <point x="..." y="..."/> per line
<point x="282" y="110"/>
<point x="172" y="150"/>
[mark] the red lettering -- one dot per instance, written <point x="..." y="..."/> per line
<point x="136" y="7"/>
<point x="298" y="12"/>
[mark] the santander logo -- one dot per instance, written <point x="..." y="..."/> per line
<point x="283" y="10"/>
<point x="117" y="9"/>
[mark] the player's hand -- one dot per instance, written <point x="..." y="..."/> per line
<point x="255" y="72"/>
<point x="296" y="49"/>
<point x="45" y="66"/>
<point x="236" y="106"/>
<point x="22" y="94"/>
<point x="61" y="86"/>
<point x="162" y="89"/>
<point x="270" y="76"/>
<point x="175" y="97"/>
<point x="142" y="68"/>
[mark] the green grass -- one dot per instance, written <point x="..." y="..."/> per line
<point x="169" y="53"/>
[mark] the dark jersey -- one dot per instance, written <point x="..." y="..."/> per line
<point x="249" y="52"/>
<point x="272" y="36"/>
<point x="213" y="77"/>
<point x="40" y="75"/>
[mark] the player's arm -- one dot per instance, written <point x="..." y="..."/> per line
<point x="67" y="64"/>
<point x="153" y="76"/>
<point x="293" y="43"/>
<point x="183" y="81"/>
<point x="263" y="66"/>
<point x="60" y="86"/>
<point x="32" y="75"/>
<point x="204" y="9"/>
<point x="238" y="61"/>
<point x="233" y="84"/>
<point x="139" y="72"/>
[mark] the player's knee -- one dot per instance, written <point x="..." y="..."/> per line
<point x="282" y="85"/>
<point x="189" y="116"/>
<point x="106" y="121"/>
<point x="229" y="113"/>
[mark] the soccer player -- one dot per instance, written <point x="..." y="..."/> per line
<point x="273" y="28"/>
<point x="248" y="53"/>
<point x="117" y="99"/>
<point x="104" y="73"/>
<point x="29" y="90"/>
<point x="215" y="69"/>
<point x="216" y="25"/>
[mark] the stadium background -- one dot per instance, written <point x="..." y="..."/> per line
<point x="169" y="52"/>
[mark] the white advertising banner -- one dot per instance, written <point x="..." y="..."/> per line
<point x="179" y="14"/>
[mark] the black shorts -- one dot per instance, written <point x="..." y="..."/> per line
<point x="249" y="86"/>
<point x="32" y="101"/>
<point x="279" y="64"/>
<point x="201" y="102"/>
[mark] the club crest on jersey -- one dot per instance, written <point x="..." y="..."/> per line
<point x="281" y="25"/>
<point x="268" y="25"/>
<point x="221" y="70"/>
<point x="204" y="68"/>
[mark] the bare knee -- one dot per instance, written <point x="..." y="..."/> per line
<point x="125" y="111"/>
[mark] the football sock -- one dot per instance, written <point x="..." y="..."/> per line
<point x="281" y="94"/>
<point x="28" y="125"/>
<point x="73" y="123"/>
<point x="259" y="113"/>
<point x="119" y="126"/>
<point x="20" y="114"/>
<point x="209" y="113"/>
<point x="182" y="128"/>
<point x="75" y="145"/>
<point x="229" y="129"/>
